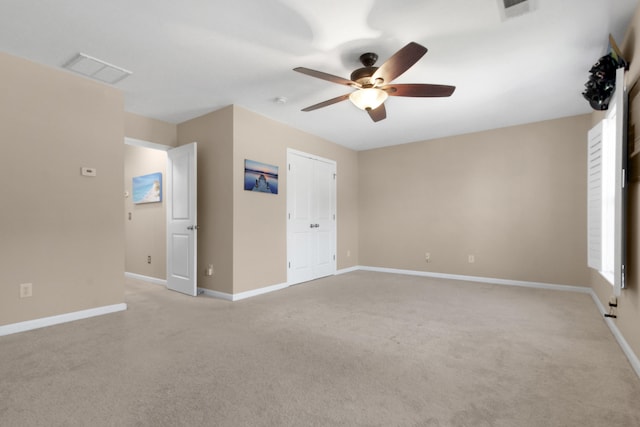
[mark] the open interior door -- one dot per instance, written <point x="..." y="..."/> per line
<point x="182" y="228"/>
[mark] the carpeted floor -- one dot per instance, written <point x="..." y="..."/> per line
<point x="360" y="349"/>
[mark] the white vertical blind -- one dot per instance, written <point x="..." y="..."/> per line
<point x="594" y="197"/>
<point x="606" y="191"/>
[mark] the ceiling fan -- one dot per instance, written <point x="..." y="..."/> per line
<point x="373" y="84"/>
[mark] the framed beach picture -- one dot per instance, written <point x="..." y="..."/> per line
<point x="147" y="188"/>
<point x="260" y="177"/>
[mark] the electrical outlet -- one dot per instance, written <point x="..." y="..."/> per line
<point x="26" y="290"/>
<point x="149" y="259"/>
<point x="427" y="257"/>
<point x="348" y="253"/>
<point x="209" y="271"/>
<point x="472" y="259"/>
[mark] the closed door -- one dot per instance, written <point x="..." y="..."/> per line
<point x="311" y="217"/>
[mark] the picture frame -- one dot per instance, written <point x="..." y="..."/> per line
<point x="147" y="188"/>
<point x="260" y="177"/>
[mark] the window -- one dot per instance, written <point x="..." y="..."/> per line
<point x="606" y="191"/>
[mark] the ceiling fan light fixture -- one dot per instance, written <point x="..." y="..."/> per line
<point x="368" y="98"/>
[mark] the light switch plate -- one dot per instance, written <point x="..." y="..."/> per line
<point x="89" y="172"/>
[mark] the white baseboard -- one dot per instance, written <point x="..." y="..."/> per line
<point x="149" y="279"/>
<point x="622" y="342"/>
<point x="348" y="270"/>
<point x="522" y="283"/>
<point x="215" y="294"/>
<point x="61" y="318"/>
<point x="243" y="295"/>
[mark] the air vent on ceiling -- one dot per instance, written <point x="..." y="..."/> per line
<point x="512" y="8"/>
<point x="96" y="69"/>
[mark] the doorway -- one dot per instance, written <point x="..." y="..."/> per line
<point x="149" y="254"/>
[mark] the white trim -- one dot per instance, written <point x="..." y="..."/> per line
<point x="522" y="283"/>
<point x="146" y="144"/>
<point x="312" y="156"/>
<point x="348" y="270"/>
<point x="61" y="318"/>
<point x="242" y="295"/>
<point x="215" y="294"/>
<point x="624" y="345"/>
<point x="149" y="279"/>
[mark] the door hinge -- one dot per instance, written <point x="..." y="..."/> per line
<point x="334" y="176"/>
<point x="289" y="216"/>
<point x="289" y="166"/>
<point x="289" y="264"/>
<point x="334" y="217"/>
<point x="334" y="257"/>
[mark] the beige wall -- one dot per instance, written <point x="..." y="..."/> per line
<point x="145" y="224"/>
<point x="146" y="232"/>
<point x="244" y="234"/>
<point x="214" y="134"/>
<point x="59" y="230"/>
<point x="628" y="310"/>
<point x="515" y="198"/>
<point x="150" y="130"/>
<point x="260" y="244"/>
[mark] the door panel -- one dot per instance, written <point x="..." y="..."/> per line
<point x="181" y="219"/>
<point x="300" y="234"/>
<point x="323" y="190"/>
<point x="180" y="261"/>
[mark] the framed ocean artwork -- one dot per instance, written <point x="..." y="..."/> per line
<point x="147" y="188"/>
<point x="260" y="177"/>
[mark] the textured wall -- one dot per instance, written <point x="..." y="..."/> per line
<point x="61" y="231"/>
<point x="146" y="227"/>
<point x="260" y="227"/>
<point x="150" y="130"/>
<point x="214" y="134"/>
<point x="514" y="198"/>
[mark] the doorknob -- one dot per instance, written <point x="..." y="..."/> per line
<point x="193" y="227"/>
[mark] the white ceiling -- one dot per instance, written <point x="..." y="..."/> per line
<point x="192" y="57"/>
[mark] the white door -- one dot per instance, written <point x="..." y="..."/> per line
<point x="311" y="217"/>
<point x="182" y="228"/>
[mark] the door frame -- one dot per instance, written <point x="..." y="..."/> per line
<point x="160" y="147"/>
<point x="291" y="151"/>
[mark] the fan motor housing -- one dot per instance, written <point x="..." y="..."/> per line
<point x="363" y="75"/>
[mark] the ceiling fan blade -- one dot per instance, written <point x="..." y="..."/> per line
<point x="400" y="62"/>
<point x="325" y="76"/>
<point x="418" y="90"/>
<point x="327" y="102"/>
<point x="378" y="114"/>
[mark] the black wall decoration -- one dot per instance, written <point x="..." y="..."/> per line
<point x="602" y="79"/>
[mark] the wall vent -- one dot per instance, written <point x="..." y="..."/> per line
<point x="96" y="69"/>
<point x="512" y="8"/>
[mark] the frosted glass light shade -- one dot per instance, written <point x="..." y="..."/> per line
<point x="369" y="98"/>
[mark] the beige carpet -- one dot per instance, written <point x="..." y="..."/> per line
<point x="361" y="349"/>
